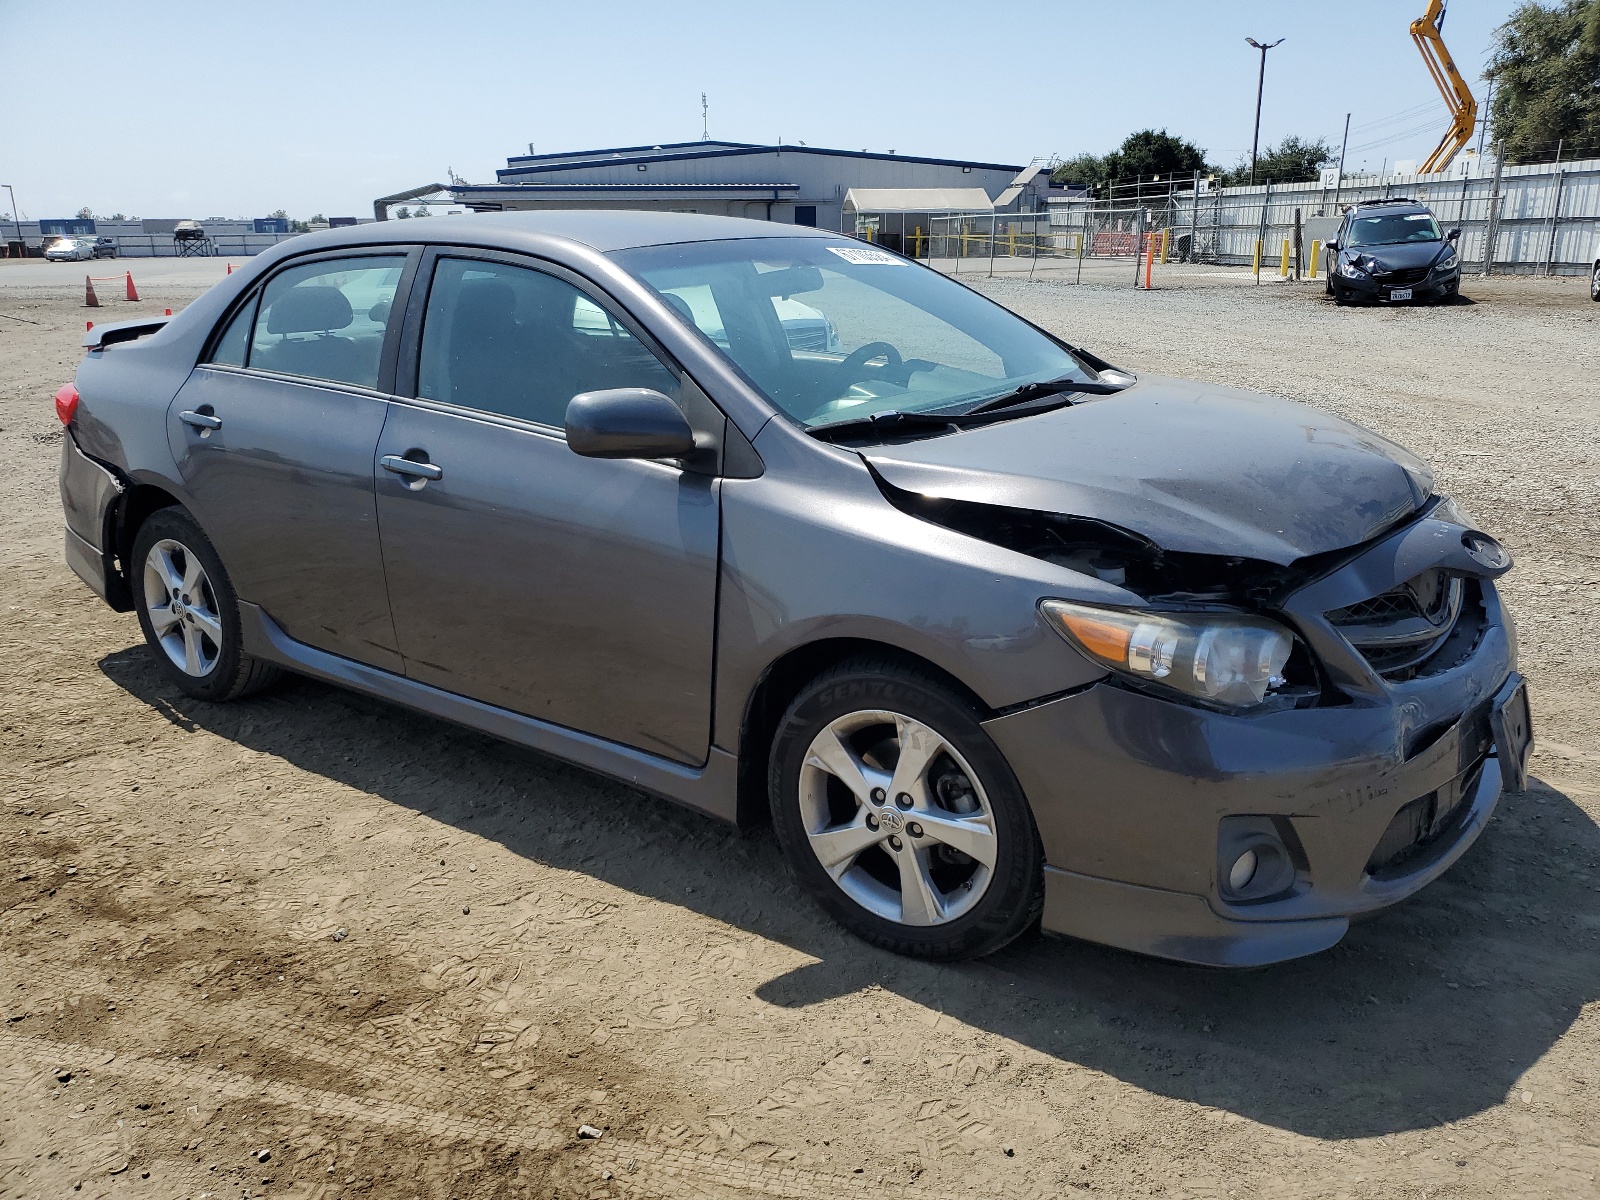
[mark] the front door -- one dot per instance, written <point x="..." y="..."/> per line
<point x="576" y="590"/>
<point x="274" y="438"/>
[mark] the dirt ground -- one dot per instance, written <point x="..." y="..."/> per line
<point x="309" y="945"/>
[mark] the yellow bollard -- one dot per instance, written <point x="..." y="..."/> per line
<point x="1316" y="257"/>
<point x="916" y="241"/>
<point x="1256" y="265"/>
<point x="1283" y="260"/>
<point x="1165" y="236"/>
<point x="1011" y="239"/>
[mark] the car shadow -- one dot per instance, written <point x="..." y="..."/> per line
<point x="1425" y="1015"/>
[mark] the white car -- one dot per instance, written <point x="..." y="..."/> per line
<point x="69" y="249"/>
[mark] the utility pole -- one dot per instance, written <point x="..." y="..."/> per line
<point x="1261" y="82"/>
<point x="1344" y="145"/>
<point x="16" y="218"/>
<point x="705" y="119"/>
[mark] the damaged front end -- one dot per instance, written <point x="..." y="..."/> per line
<point x="1233" y="632"/>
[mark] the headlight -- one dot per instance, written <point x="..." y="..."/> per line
<point x="1448" y="261"/>
<point x="1348" y="268"/>
<point x="1233" y="660"/>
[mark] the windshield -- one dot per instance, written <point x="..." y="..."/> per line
<point x="1397" y="227"/>
<point x="832" y="331"/>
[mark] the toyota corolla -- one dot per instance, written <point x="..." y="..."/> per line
<point x="995" y="634"/>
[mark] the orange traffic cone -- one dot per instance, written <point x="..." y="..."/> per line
<point x="230" y="269"/>
<point x="133" y="292"/>
<point x="90" y="300"/>
<point x="88" y="325"/>
<point x="169" y="312"/>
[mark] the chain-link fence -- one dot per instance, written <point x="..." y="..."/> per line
<point x="1537" y="219"/>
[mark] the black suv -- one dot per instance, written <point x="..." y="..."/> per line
<point x="1392" y="251"/>
<point x="105" y="247"/>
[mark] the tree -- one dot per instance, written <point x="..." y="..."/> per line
<point x="1143" y="155"/>
<point x="116" y="216"/>
<point x="278" y="214"/>
<point x="1546" y="70"/>
<point x="402" y="213"/>
<point x="86" y="213"/>
<point x="1293" y="160"/>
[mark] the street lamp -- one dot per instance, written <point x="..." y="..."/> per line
<point x="1261" y="80"/>
<point x="16" y="218"/>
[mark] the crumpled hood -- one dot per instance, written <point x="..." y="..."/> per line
<point x="1190" y="466"/>
<point x="1401" y="256"/>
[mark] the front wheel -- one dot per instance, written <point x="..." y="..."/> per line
<point x="1594" y="283"/>
<point x="189" y="612"/>
<point x="900" y="816"/>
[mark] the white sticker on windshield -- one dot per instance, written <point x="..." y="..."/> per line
<point x="866" y="256"/>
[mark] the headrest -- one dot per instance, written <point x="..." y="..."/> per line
<point x="309" y="308"/>
<point x="679" y="305"/>
<point x="486" y="301"/>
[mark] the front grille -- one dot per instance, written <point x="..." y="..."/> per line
<point x="1403" y="277"/>
<point x="809" y="336"/>
<point x="1408" y="630"/>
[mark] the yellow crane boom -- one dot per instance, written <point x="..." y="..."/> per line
<point x="1458" y="98"/>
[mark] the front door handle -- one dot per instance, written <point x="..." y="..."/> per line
<point x="200" y="420"/>
<point x="404" y="466"/>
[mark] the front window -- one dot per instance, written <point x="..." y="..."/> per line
<point x="834" y="331"/>
<point x="1393" y="229"/>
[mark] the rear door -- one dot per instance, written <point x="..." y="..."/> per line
<point x="274" y="436"/>
<point x="580" y="591"/>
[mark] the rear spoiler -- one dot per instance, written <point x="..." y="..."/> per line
<point x="110" y="334"/>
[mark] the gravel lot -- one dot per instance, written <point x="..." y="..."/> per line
<point x="309" y="945"/>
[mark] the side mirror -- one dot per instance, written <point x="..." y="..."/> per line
<point x="627" y="423"/>
<point x="1452" y="236"/>
<point x="1334" y="245"/>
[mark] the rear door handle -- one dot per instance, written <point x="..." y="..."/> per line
<point x="200" y="420"/>
<point x="404" y="466"/>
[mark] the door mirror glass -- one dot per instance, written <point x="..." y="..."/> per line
<point x="627" y="423"/>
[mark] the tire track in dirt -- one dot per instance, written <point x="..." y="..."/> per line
<point x="635" y="1168"/>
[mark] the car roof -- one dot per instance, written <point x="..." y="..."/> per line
<point x="598" y="229"/>
<point x="1369" y="206"/>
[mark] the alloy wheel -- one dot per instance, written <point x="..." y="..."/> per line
<point x="1594" y="283"/>
<point x="898" y="818"/>
<point x="183" y="608"/>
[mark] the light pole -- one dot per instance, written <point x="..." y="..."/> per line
<point x="16" y="218"/>
<point x="1261" y="81"/>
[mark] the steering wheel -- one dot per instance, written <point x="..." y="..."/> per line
<point x="850" y="368"/>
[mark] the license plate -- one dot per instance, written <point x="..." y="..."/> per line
<point x="1513" y="733"/>
<point x="1400" y="294"/>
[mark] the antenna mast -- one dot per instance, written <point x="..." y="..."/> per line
<point x="705" y="119"/>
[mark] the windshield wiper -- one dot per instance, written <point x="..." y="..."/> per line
<point x="986" y="412"/>
<point x="1033" y="391"/>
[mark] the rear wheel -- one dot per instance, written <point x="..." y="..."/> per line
<point x="901" y="817"/>
<point x="189" y="612"/>
<point x="1594" y="283"/>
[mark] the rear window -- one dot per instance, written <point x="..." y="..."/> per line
<point x="327" y="319"/>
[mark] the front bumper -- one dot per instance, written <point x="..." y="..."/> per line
<point x="1436" y="285"/>
<point x="1130" y="791"/>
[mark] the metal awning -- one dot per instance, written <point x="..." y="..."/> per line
<point x="917" y="200"/>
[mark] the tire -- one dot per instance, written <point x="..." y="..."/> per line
<point x="858" y="716"/>
<point x="1594" y="283"/>
<point x="193" y="631"/>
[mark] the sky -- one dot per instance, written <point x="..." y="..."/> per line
<point x="184" y="109"/>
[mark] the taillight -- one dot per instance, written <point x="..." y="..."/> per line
<point x="67" y="403"/>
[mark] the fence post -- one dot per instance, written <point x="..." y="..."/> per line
<point x="1138" y="245"/>
<point x="994" y="232"/>
<point x="1081" y="232"/>
<point x="1555" y="220"/>
<point x="1299" y="245"/>
<point x="1491" y="231"/>
<point x="1261" y="235"/>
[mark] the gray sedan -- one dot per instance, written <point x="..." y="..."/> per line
<point x="994" y="634"/>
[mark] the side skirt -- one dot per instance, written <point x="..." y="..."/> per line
<point x="711" y="789"/>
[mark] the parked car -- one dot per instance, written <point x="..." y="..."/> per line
<point x="70" y="249"/>
<point x="994" y="633"/>
<point x="1392" y="251"/>
<point x="1594" y="280"/>
<point x="105" y="247"/>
